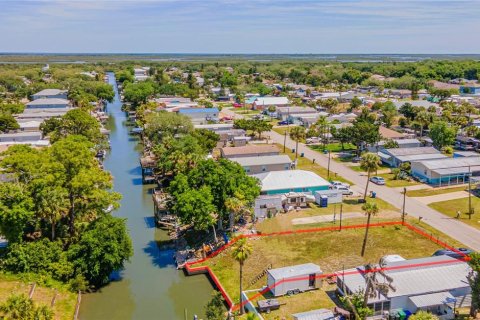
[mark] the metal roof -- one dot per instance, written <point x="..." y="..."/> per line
<point x="421" y="157"/>
<point x="450" y="163"/>
<point x="198" y="110"/>
<point x="263" y="160"/>
<point x="271" y="101"/>
<point x="294" y="271"/>
<point x="48" y="101"/>
<point x="432" y="299"/>
<point x="249" y="150"/>
<point x="290" y="179"/>
<point x="416" y="276"/>
<point x="50" y="92"/>
<point x="411" y="151"/>
<point x="319" y="314"/>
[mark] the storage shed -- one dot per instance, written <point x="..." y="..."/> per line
<point x="293" y="279"/>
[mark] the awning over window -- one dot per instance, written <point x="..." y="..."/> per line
<point x="433" y="299"/>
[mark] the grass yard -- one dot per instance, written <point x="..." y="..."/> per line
<point x="435" y="191"/>
<point x="65" y="302"/>
<point x="331" y="250"/>
<point x="451" y="207"/>
<point x="306" y="164"/>
<point x="334" y="147"/>
<point x="282" y="130"/>
<point x="390" y="182"/>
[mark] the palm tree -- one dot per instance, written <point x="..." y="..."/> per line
<point x="371" y="209"/>
<point x="423" y="118"/>
<point x="369" y="163"/>
<point x="52" y="206"/>
<point x="235" y="206"/>
<point x="297" y="134"/>
<point x="322" y="125"/>
<point x="241" y="251"/>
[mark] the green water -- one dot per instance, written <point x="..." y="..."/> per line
<point x="150" y="287"/>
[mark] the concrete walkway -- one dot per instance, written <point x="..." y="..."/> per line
<point x="451" y="227"/>
<point x="442" y="197"/>
<point x="326" y="218"/>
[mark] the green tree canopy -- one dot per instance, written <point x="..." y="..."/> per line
<point x="442" y="134"/>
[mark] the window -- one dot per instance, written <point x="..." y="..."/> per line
<point x="264" y="168"/>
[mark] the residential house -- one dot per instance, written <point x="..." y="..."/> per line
<point x="433" y="284"/>
<point x="446" y="171"/>
<point x="41" y="114"/>
<point x="471" y="88"/>
<point x="249" y="151"/>
<point x="283" y="113"/>
<point x="262" y="103"/>
<point x="396" y="156"/>
<point x="141" y="74"/>
<point x="397" y="93"/>
<point x="254" y="165"/>
<point x="200" y="115"/>
<point x="387" y="133"/>
<point x="51" y="94"/>
<point x="48" y="103"/>
<point x="342" y="117"/>
<point x="281" y="182"/>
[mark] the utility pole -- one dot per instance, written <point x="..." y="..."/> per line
<point x="284" y="141"/>
<point x="403" y="208"/>
<point x="328" y="167"/>
<point x="469" y="192"/>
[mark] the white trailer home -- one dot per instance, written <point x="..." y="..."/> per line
<point x="294" y="279"/>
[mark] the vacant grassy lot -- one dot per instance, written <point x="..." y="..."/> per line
<point x="434" y="192"/>
<point x="451" y="207"/>
<point x="334" y="147"/>
<point x="331" y="250"/>
<point x="63" y="308"/>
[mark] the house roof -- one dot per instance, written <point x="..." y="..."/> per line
<point x="390" y="134"/>
<point x="449" y="166"/>
<point x="319" y="314"/>
<point x="290" y="179"/>
<point x="198" y="110"/>
<point x="294" y="271"/>
<point x="411" y="151"/>
<point x="50" y="92"/>
<point x="264" y="160"/>
<point x="416" y="276"/>
<point x="249" y="149"/>
<point x="401" y="141"/>
<point x="271" y="101"/>
<point x="48" y="101"/>
<point x="296" y="110"/>
<point x="432" y="299"/>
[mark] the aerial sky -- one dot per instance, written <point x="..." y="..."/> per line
<point x="240" y="26"/>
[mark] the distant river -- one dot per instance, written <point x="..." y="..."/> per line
<point x="150" y="287"/>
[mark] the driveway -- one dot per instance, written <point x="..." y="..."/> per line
<point x="415" y="208"/>
<point x="442" y="197"/>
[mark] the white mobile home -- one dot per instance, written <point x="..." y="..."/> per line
<point x="446" y="171"/>
<point x="432" y="284"/>
<point x="396" y="156"/>
<point x="293" y="279"/>
<point x="48" y="103"/>
<point x="51" y="94"/>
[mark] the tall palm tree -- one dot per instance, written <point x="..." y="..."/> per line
<point x="241" y="251"/>
<point x="370" y="209"/>
<point x="52" y="206"/>
<point x="235" y="206"/>
<point x="322" y="125"/>
<point x="423" y="118"/>
<point x="369" y="163"/>
<point x="297" y="134"/>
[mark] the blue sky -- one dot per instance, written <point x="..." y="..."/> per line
<point x="235" y="26"/>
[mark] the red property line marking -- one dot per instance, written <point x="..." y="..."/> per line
<point x="189" y="266"/>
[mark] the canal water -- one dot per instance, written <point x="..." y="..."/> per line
<point x="150" y="287"/>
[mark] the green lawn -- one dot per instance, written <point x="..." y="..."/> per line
<point x="390" y="182"/>
<point x="432" y="192"/>
<point x="451" y="207"/>
<point x="334" y="147"/>
<point x="331" y="250"/>
<point x="282" y="130"/>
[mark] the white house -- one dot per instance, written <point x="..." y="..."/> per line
<point x="282" y="182"/>
<point x="396" y="156"/>
<point x="446" y="171"/>
<point x="433" y="284"/>
<point x="262" y="103"/>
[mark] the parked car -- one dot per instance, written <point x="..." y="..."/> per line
<point x="284" y="122"/>
<point x="237" y="105"/>
<point x="339" y="183"/>
<point x="462" y="252"/>
<point x="345" y="190"/>
<point x="313" y="140"/>
<point x="378" y="180"/>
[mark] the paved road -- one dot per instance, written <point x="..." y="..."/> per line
<point x="454" y="228"/>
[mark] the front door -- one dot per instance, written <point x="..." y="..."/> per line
<point x="311" y="280"/>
